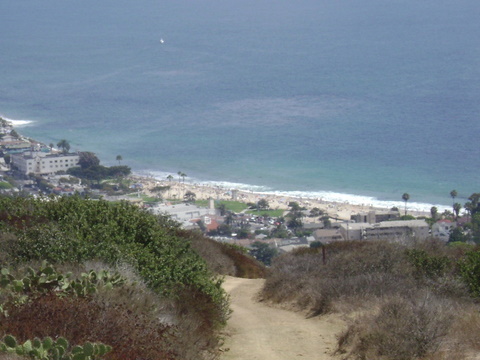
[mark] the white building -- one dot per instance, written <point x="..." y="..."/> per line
<point x="442" y="229"/>
<point x="386" y="230"/>
<point x="40" y="163"/>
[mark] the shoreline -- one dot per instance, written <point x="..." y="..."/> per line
<point x="335" y="209"/>
<point x="338" y="207"/>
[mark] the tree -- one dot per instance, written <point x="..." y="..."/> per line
<point x="181" y="175"/>
<point x="88" y="159"/>
<point x="475" y="203"/>
<point x="263" y="252"/>
<point x="169" y="177"/>
<point x="119" y="159"/>
<point x="327" y="223"/>
<point x="456" y="209"/>
<point x="14" y="134"/>
<point x="294" y="206"/>
<point x="453" y="195"/>
<point x="457" y="235"/>
<point x="295" y="224"/>
<point x="118" y="171"/>
<point x="64" y="145"/>
<point x="434" y="212"/>
<point x="405" y="198"/>
<point x="316" y="212"/>
<point x="263" y="204"/>
<point x="229" y="218"/>
<point x="189" y="197"/>
<point x="222" y="208"/>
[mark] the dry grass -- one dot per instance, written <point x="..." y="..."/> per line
<point x="225" y="259"/>
<point x="411" y="306"/>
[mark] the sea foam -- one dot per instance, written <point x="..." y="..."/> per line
<point x="18" y="123"/>
<point x="326" y="196"/>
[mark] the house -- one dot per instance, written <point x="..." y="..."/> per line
<point x="386" y="230"/>
<point x="40" y="163"/>
<point x="12" y="145"/>
<point x="442" y="229"/>
<point x="183" y="212"/>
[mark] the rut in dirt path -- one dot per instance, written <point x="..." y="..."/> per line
<point x="258" y="332"/>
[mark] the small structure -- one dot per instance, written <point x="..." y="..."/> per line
<point x="442" y="229"/>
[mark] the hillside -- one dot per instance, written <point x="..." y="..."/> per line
<point x="169" y="301"/>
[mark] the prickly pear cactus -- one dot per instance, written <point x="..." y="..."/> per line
<point x="48" y="349"/>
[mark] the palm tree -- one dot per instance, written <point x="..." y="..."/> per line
<point x="453" y="195"/>
<point x="183" y="175"/>
<point x="405" y="197"/>
<point x="456" y="209"/>
<point x="169" y="177"/>
<point x="119" y="159"/>
<point x="434" y="212"/>
<point x="64" y="145"/>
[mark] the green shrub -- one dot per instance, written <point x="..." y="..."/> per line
<point x="469" y="268"/>
<point x="428" y="265"/>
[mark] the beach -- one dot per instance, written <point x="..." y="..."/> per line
<point x="177" y="190"/>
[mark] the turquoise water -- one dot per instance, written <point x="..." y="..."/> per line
<point x="345" y="100"/>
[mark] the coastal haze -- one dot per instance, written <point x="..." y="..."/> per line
<point x="342" y="100"/>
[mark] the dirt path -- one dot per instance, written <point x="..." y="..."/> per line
<point x="259" y="332"/>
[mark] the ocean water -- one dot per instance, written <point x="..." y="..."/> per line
<point x="357" y="101"/>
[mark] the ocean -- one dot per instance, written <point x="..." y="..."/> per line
<point x="353" y="101"/>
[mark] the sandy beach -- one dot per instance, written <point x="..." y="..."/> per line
<point x="204" y="192"/>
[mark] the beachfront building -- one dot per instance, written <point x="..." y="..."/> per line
<point x="40" y="163"/>
<point x="326" y="236"/>
<point x="386" y="230"/>
<point x="373" y="217"/>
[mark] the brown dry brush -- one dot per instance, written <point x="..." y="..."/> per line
<point x="413" y="303"/>
<point x="135" y="321"/>
<point x="132" y="335"/>
<point x="401" y="329"/>
<point x="351" y="273"/>
<point x="224" y="259"/>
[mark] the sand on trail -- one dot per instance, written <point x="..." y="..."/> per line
<point x="256" y="331"/>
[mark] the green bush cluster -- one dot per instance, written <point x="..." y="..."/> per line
<point x="428" y="265"/>
<point x="71" y="229"/>
<point x="469" y="268"/>
<point x="49" y="349"/>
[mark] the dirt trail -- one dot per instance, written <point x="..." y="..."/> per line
<point x="259" y="332"/>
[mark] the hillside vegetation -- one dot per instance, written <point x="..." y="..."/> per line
<point x="416" y="301"/>
<point x="168" y="302"/>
